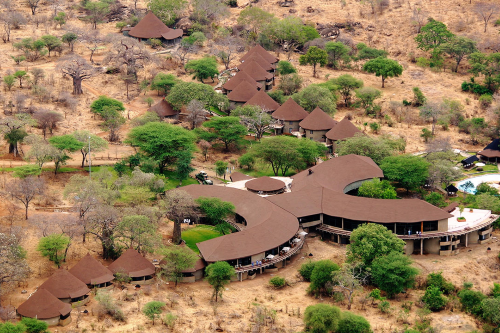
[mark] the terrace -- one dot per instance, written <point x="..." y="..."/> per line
<point x="271" y="262"/>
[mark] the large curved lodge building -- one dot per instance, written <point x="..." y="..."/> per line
<point x="271" y="226"/>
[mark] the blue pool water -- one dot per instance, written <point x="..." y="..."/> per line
<point x="493" y="177"/>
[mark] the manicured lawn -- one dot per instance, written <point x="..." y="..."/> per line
<point x="199" y="234"/>
<point x="171" y="182"/>
<point x="219" y="112"/>
<point x="262" y="169"/>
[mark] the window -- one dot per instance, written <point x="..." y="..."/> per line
<point x="290" y="122"/>
<point x="430" y="225"/>
<point x="311" y="132"/>
<point x="332" y="220"/>
<point x="309" y="218"/>
<point x="404" y="228"/>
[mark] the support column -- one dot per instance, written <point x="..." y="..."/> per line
<point x="422" y="246"/>
<point x="466" y="240"/>
<point x="241" y="276"/>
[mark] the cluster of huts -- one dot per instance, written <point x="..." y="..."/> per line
<point x="249" y="86"/>
<point x="54" y="299"/>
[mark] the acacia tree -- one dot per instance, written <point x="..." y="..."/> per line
<point x="178" y="205"/>
<point x="25" y="190"/>
<point x="13" y="265"/>
<point x="219" y="274"/>
<point x="91" y="143"/>
<point x="458" y="48"/>
<point x="97" y="11"/>
<point x="175" y="260"/>
<point x="314" y="56"/>
<point x="384" y="68"/>
<point x="167" y="10"/>
<point x="78" y="69"/>
<point x="255" y="118"/>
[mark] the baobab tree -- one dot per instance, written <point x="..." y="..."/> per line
<point x="129" y="53"/>
<point x="78" y="69"/>
<point x="178" y="205"/>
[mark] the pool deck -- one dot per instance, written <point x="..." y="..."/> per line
<point x="492" y="177"/>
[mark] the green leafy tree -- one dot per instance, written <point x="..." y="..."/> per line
<point x="408" y="171"/>
<point x="471" y="301"/>
<point x="97" y="11"/>
<point x="34" y="325"/>
<point x="306" y="269"/>
<point x="371" y="241"/>
<point x="53" y="247"/>
<point x="289" y="84"/>
<point x="365" y="52"/>
<point x="459" y="47"/>
<point x="255" y="18"/>
<point x="434" y="298"/>
<point x="219" y="275"/>
<point x="113" y="120"/>
<point x="281" y="152"/>
<point x="9" y="80"/>
<point x="314" y="56"/>
<point x="393" y="273"/>
<point x="221" y="168"/>
<point x="347" y="84"/>
<point x="216" y="212"/>
<point x="488" y="201"/>
<point x="137" y="232"/>
<point x="162" y="142"/>
<point x="228" y="130"/>
<point x="321" y="275"/>
<point x="289" y="31"/>
<point x="374" y="148"/>
<point x="184" y="92"/>
<point x="51" y="42"/>
<point x="384" y="68"/>
<point x="487" y="65"/>
<point x="314" y="96"/>
<point x="20" y="75"/>
<point x="376" y="188"/>
<point x="435" y="199"/>
<point x="183" y="166"/>
<point x="322" y="318"/>
<point x="336" y="51"/>
<point x="203" y="68"/>
<point x="65" y="144"/>
<point x="351" y="323"/>
<point x="426" y="134"/>
<point x="153" y="310"/>
<point x="99" y="105"/>
<point x="33" y="49"/>
<point x="163" y="83"/>
<point x="91" y="143"/>
<point x="285" y="67"/>
<point x="70" y="38"/>
<point x="60" y="19"/>
<point x="247" y="160"/>
<point x="176" y="260"/>
<point x="437" y="280"/>
<point x="418" y="97"/>
<point x="366" y="97"/>
<point x="167" y="10"/>
<point x="432" y="35"/>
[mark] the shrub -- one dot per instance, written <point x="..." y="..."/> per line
<point x="384" y="306"/>
<point x="435" y="199"/>
<point x="495" y="291"/>
<point x="277" y="282"/>
<point x="351" y="323"/>
<point x="34" y="325"/>
<point x="108" y="305"/>
<point x="322" y="318"/>
<point x="375" y="295"/>
<point x="418" y="97"/>
<point x="485" y="100"/>
<point x="471" y="301"/>
<point x="434" y="298"/>
<point x="437" y="280"/>
<point x="393" y="273"/>
<point x="321" y="275"/>
<point x="153" y="310"/>
<point x="285" y="67"/>
<point x="306" y="270"/>
<point x="247" y="160"/>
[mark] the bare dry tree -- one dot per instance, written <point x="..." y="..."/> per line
<point x="486" y="11"/>
<point x="25" y="190"/>
<point x="78" y="69"/>
<point x="47" y="120"/>
<point x="129" y="53"/>
<point x="90" y="38"/>
<point x="33" y="4"/>
<point x="226" y="49"/>
<point x="183" y="51"/>
<point x="196" y="113"/>
<point x="419" y="16"/>
<point x="13" y="266"/>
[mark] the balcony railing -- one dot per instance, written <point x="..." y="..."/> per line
<point x="274" y="260"/>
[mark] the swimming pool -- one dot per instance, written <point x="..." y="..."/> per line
<point x="494" y="177"/>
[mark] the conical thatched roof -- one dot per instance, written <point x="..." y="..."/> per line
<point x="318" y="120"/>
<point x="342" y="130"/>
<point x="133" y="264"/>
<point x="263" y="100"/>
<point x="242" y="93"/>
<point x="152" y="27"/>
<point x="290" y="111"/>
<point x="238" y="78"/>
<point x="43" y="305"/>
<point x="90" y="271"/>
<point x="63" y="284"/>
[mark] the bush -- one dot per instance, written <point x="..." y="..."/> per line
<point x="351" y="323"/>
<point x="437" y="280"/>
<point x="434" y="298"/>
<point x="277" y="282"/>
<point x="247" y="160"/>
<point x="475" y="88"/>
<point x="306" y="270"/>
<point x="485" y="100"/>
<point x="393" y="273"/>
<point x="384" y="306"/>
<point x="495" y="291"/>
<point x="435" y="199"/>
<point x="34" y="325"/>
<point x="321" y="275"/>
<point x="471" y="301"/>
<point x="285" y="67"/>
<point x="153" y="310"/>
<point x="108" y="305"/>
<point x="99" y="105"/>
<point x="418" y="97"/>
<point x="322" y="318"/>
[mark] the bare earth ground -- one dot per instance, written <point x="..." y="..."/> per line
<point x="392" y="30"/>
